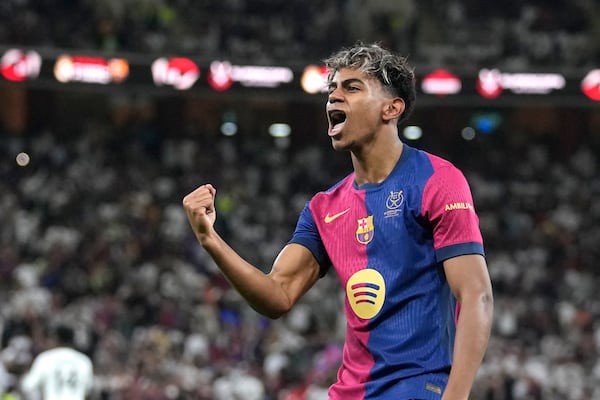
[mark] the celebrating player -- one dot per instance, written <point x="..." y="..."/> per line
<point x="401" y="233"/>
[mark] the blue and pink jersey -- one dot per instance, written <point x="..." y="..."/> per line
<point x="387" y="243"/>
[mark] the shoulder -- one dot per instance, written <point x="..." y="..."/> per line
<point x="438" y="162"/>
<point x="425" y="169"/>
<point x="82" y="357"/>
<point x="442" y="169"/>
<point x="67" y="353"/>
<point x="46" y="355"/>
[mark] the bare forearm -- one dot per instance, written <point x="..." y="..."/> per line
<point x="472" y="336"/>
<point x="261" y="292"/>
<point x="273" y="294"/>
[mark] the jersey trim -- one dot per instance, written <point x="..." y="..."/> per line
<point x="460" y="249"/>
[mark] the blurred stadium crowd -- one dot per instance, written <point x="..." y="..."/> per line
<point x="94" y="234"/>
<point x="459" y="32"/>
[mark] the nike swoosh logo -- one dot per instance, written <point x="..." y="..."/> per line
<point x="330" y="218"/>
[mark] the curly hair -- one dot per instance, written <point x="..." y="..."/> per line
<point x="392" y="70"/>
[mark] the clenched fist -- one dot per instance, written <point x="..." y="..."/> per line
<point x="199" y="206"/>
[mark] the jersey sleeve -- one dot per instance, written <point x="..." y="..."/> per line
<point x="447" y="205"/>
<point x="307" y="235"/>
<point x="33" y="378"/>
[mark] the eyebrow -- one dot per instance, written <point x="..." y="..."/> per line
<point x="345" y="83"/>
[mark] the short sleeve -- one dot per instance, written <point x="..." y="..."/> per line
<point x="448" y="207"/>
<point x="307" y="235"/>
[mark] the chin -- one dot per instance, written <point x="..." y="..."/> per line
<point x="339" y="145"/>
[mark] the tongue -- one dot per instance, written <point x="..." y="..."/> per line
<point x="337" y="128"/>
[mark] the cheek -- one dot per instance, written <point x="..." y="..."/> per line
<point x="368" y="114"/>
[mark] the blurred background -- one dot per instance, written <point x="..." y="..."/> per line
<point x="112" y="111"/>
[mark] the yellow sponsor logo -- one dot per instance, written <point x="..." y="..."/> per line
<point x="458" y="206"/>
<point x="365" y="291"/>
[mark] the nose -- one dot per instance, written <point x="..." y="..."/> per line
<point x="334" y="96"/>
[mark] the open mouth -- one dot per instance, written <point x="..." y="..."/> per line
<point x="337" y="117"/>
<point x="336" y="121"/>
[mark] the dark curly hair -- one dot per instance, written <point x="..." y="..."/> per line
<point x="392" y="70"/>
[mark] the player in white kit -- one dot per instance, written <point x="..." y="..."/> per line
<point x="60" y="373"/>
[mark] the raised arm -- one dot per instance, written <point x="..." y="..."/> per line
<point x="294" y="270"/>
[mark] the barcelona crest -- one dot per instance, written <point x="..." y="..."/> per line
<point x="365" y="230"/>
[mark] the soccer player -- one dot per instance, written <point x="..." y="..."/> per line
<point x="402" y="234"/>
<point x="60" y="373"/>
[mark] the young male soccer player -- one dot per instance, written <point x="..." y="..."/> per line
<point x="402" y="234"/>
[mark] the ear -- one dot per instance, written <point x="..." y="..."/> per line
<point x="393" y="109"/>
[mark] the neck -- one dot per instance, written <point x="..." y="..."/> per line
<point x="374" y="164"/>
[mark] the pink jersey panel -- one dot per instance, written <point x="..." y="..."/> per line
<point x="448" y="205"/>
<point x="336" y="214"/>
